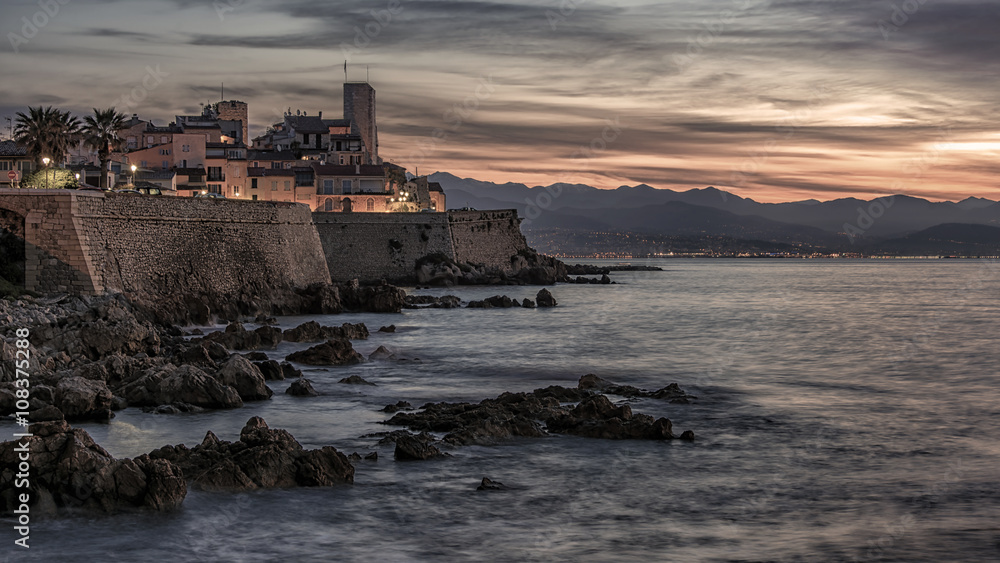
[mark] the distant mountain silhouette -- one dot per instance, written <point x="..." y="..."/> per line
<point x="646" y="208"/>
<point x="949" y="239"/>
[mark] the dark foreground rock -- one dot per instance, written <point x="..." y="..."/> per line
<point x="69" y="470"/>
<point x="301" y="387"/>
<point x="313" y="332"/>
<point x="334" y="352"/>
<point x="355" y="380"/>
<point x="432" y="302"/>
<point x="545" y="298"/>
<point x="534" y="414"/>
<point x="490" y="485"/>
<point x="672" y="392"/>
<point x="262" y="458"/>
<point x="413" y="448"/>
<point x="495" y="302"/>
<point x="186" y="384"/>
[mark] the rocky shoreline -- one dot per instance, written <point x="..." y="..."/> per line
<point x="90" y="357"/>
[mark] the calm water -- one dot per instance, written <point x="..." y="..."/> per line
<point x="848" y="410"/>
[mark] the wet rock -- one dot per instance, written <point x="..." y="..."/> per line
<point x="389" y="329"/>
<point x="672" y="392"/>
<point x="687" y="436"/>
<point x="355" y="380"/>
<point x="528" y="303"/>
<point x="262" y="458"/>
<point x="175" y="408"/>
<point x="545" y="298"/>
<point x="490" y="485"/>
<point x="245" y="377"/>
<point x="372" y="299"/>
<point x="301" y="387"/>
<point x="289" y="371"/>
<point x="48" y="413"/>
<point x="186" y="384"/>
<point x="334" y="352"/>
<point x="256" y="356"/>
<point x="397" y="407"/>
<point x="605" y="279"/>
<point x="69" y="470"/>
<point x="235" y="337"/>
<point x="313" y="332"/>
<point x="381" y="354"/>
<point x="270" y="336"/>
<point x="597" y="417"/>
<point x="83" y="399"/>
<point x="372" y="456"/>
<point x="495" y="302"/>
<point x="271" y="370"/>
<point x="411" y="448"/>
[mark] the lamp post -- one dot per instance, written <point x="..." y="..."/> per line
<point x="133" y="175"/>
<point x="77" y="179"/>
<point x="45" y="161"/>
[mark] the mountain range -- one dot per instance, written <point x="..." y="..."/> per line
<point x="888" y="224"/>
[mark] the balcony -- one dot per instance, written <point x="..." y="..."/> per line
<point x="215" y="177"/>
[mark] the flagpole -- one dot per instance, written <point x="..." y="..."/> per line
<point x="345" y="71"/>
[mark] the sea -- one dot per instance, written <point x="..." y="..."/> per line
<point x="847" y="410"/>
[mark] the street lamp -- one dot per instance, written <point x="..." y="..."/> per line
<point x="133" y="174"/>
<point x="45" y="161"/>
<point x="77" y="179"/>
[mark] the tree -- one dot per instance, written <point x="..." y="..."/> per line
<point x="46" y="132"/>
<point x="101" y="133"/>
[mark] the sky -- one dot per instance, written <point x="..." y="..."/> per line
<point x="776" y="100"/>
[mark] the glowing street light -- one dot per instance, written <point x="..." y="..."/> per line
<point x="133" y="174"/>
<point x="45" y="161"/>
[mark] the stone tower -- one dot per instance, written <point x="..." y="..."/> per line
<point x="359" y="108"/>
<point x="235" y="111"/>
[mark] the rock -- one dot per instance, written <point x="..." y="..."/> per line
<point x="490" y="485"/>
<point x="372" y="299"/>
<point x="47" y="413"/>
<point x="605" y="279"/>
<point x="271" y="370"/>
<point x="397" y="407"/>
<point x="381" y="354"/>
<point x="528" y="303"/>
<point x="334" y="352"/>
<point x="410" y="448"/>
<point x="186" y="384"/>
<point x="672" y="392"/>
<point x="390" y="329"/>
<point x="269" y="336"/>
<point x="301" y="387"/>
<point x="305" y="332"/>
<point x="235" y="337"/>
<point x="545" y="299"/>
<point x="256" y="356"/>
<point x="372" y="456"/>
<point x="355" y="380"/>
<point x="69" y="470"/>
<point x="597" y="417"/>
<point x="175" y="408"/>
<point x="289" y="371"/>
<point x="83" y="399"/>
<point x="245" y="377"/>
<point x="262" y="458"/>
<point x="497" y="301"/>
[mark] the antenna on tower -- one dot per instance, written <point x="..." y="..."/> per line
<point x="223" y="96"/>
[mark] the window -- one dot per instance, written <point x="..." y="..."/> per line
<point x="342" y="160"/>
<point x="184" y="163"/>
<point x="256" y="164"/>
<point x="303" y="178"/>
<point x="215" y="188"/>
<point x="164" y="151"/>
<point x="370" y="204"/>
<point x="26" y="165"/>
<point x="255" y="197"/>
<point x="276" y="166"/>
<point x="253" y="185"/>
<point x="215" y="174"/>
<point x="166" y="164"/>
<point x="142" y="163"/>
<point x="131" y="143"/>
<point x="274" y="185"/>
<point x="164" y="139"/>
<point x="5" y="165"/>
<point x="346" y="184"/>
<point x="150" y="140"/>
<point x="288" y="185"/>
<point x="185" y="148"/>
<point x="305" y="138"/>
<point x="328" y="205"/>
<point x="328" y="187"/>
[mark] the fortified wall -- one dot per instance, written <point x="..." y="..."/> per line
<point x="88" y="243"/>
<point x="374" y="246"/>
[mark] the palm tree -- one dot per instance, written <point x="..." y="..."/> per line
<point x="46" y="132"/>
<point x="101" y="133"/>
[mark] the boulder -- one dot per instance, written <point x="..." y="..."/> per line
<point x="545" y="298"/>
<point x="271" y="370"/>
<point x="489" y="485"/>
<point x="411" y="448"/>
<point x="355" y="380"/>
<point x="381" y="354"/>
<point x="313" y="332"/>
<point x="389" y="329"/>
<point x="245" y="377"/>
<point x="235" y="337"/>
<point x="186" y="384"/>
<point x="301" y="387"/>
<point x="83" y="399"/>
<point x="69" y="470"/>
<point x="289" y="371"/>
<point x="528" y="303"/>
<point x="671" y="392"/>
<point x="262" y="458"/>
<point x="400" y="405"/>
<point x="333" y="352"/>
